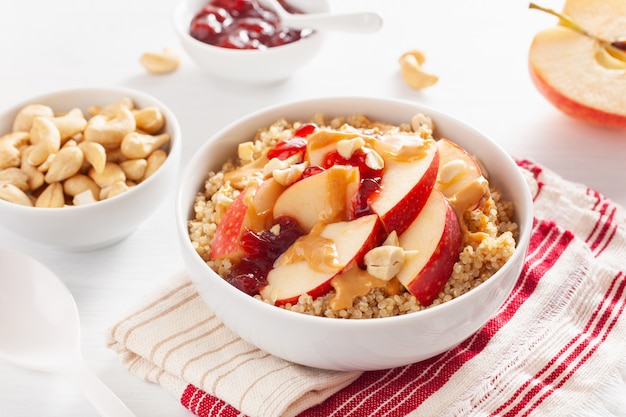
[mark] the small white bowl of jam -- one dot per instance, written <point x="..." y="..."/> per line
<point x="241" y="40"/>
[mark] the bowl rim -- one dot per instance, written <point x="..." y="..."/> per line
<point x="183" y="209"/>
<point x="171" y="119"/>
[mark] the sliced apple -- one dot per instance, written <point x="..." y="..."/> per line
<point x="579" y="73"/>
<point x="435" y="235"/>
<point x="460" y="178"/>
<point x="406" y="184"/>
<point x="322" y="142"/>
<point x="309" y="265"/>
<point x="325" y="197"/>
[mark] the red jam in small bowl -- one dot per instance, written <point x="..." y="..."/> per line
<point x="243" y="24"/>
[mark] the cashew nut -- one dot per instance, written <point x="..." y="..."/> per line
<point x="384" y="262"/>
<point x="160" y="62"/>
<point x="10" y="146"/>
<point x="23" y="121"/>
<point x="35" y="177"/>
<point x="79" y="183"/>
<point x="289" y="175"/>
<point x="71" y="123"/>
<point x="155" y="160"/>
<point x="112" y="173"/>
<point x="135" y="169"/>
<point x="12" y="194"/>
<point x="15" y="176"/>
<point x="46" y="138"/>
<point x="137" y="145"/>
<point x="117" y="188"/>
<point x="149" y="119"/>
<point x="111" y="109"/>
<point x="51" y="197"/>
<point x="95" y="154"/>
<point x="66" y="163"/>
<point x="412" y="73"/>
<point x="86" y="197"/>
<point x="110" y="131"/>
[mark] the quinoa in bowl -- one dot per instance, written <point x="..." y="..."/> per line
<point x="486" y="226"/>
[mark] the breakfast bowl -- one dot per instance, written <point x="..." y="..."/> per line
<point x="69" y="181"/>
<point x="328" y="341"/>
<point x="243" y="61"/>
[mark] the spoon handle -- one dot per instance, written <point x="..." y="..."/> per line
<point x="361" y="22"/>
<point x="100" y="396"/>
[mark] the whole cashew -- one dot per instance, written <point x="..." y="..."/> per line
<point x="95" y="154"/>
<point x="35" y="177"/>
<point x="46" y="138"/>
<point x="15" y="176"/>
<point x="23" y="121"/>
<point x="12" y="194"/>
<point x="65" y="164"/>
<point x="10" y="148"/>
<point x="135" y="169"/>
<point x="51" y="197"/>
<point x="112" y="173"/>
<point x="110" y="131"/>
<point x="71" y="123"/>
<point x="117" y="188"/>
<point x="149" y="119"/>
<point x="155" y="160"/>
<point x="137" y="145"/>
<point x="160" y="62"/>
<point x="78" y="183"/>
<point x="412" y="72"/>
<point x="111" y="109"/>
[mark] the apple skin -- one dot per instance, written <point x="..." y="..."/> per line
<point x="436" y="236"/>
<point x="406" y="186"/>
<point x="226" y="241"/>
<point x="570" y="70"/>
<point x="353" y="239"/>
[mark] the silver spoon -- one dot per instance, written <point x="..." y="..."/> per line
<point x="360" y="22"/>
<point x="40" y="329"/>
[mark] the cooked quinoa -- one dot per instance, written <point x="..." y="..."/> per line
<point x="488" y="240"/>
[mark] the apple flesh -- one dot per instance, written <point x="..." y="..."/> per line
<point x="574" y="72"/>
<point x="325" y="197"/>
<point x="297" y="274"/>
<point x="436" y="236"/>
<point x="406" y="185"/>
<point x="460" y="178"/>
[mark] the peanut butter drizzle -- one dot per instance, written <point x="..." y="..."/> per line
<point x="355" y="282"/>
<point x="339" y="177"/>
<point x="402" y="148"/>
<point x="237" y="176"/>
<point x="323" y="138"/>
<point x="319" y="252"/>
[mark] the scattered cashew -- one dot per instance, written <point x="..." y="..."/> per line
<point x="65" y="164"/>
<point x="46" y="138"/>
<point x="412" y="73"/>
<point x="70" y="124"/>
<point x="51" y="197"/>
<point x="149" y="119"/>
<point x="12" y="194"/>
<point x="15" y="176"/>
<point x="135" y="169"/>
<point x="110" y="131"/>
<point x="10" y="145"/>
<point x="138" y="145"/>
<point x="23" y="121"/>
<point x="160" y="62"/>
<point x="95" y="154"/>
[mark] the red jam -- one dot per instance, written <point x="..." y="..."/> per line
<point x="242" y="24"/>
<point x="260" y="252"/>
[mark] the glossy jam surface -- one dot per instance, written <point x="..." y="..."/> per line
<point x="242" y="24"/>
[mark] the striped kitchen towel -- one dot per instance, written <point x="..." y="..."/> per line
<point x="557" y="347"/>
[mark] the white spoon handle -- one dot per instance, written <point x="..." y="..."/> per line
<point x="100" y="396"/>
<point x="348" y="22"/>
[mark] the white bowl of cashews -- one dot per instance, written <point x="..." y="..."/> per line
<point x="82" y="169"/>
<point x="250" y="66"/>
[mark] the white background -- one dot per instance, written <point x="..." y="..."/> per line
<point x="478" y="49"/>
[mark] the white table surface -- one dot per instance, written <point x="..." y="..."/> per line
<point x="479" y="50"/>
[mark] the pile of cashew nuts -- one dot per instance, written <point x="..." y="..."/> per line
<point x="51" y="160"/>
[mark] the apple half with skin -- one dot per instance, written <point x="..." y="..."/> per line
<point x="460" y="178"/>
<point x="252" y="210"/>
<point x="324" y="197"/>
<point x="435" y="235"/>
<point x="405" y="187"/>
<point x="301" y="271"/>
<point x="581" y="74"/>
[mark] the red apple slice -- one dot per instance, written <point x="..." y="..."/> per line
<point x="575" y="72"/>
<point x="406" y="185"/>
<point x="315" y="259"/>
<point x="325" y="197"/>
<point x="460" y="178"/>
<point x="322" y="142"/>
<point x="436" y="236"/>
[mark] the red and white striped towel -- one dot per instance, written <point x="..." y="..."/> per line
<point x="557" y="346"/>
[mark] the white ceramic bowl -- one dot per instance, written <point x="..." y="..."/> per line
<point x="364" y="344"/>
<point x="104" y="222"/>
<point x="249" y="66"/>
